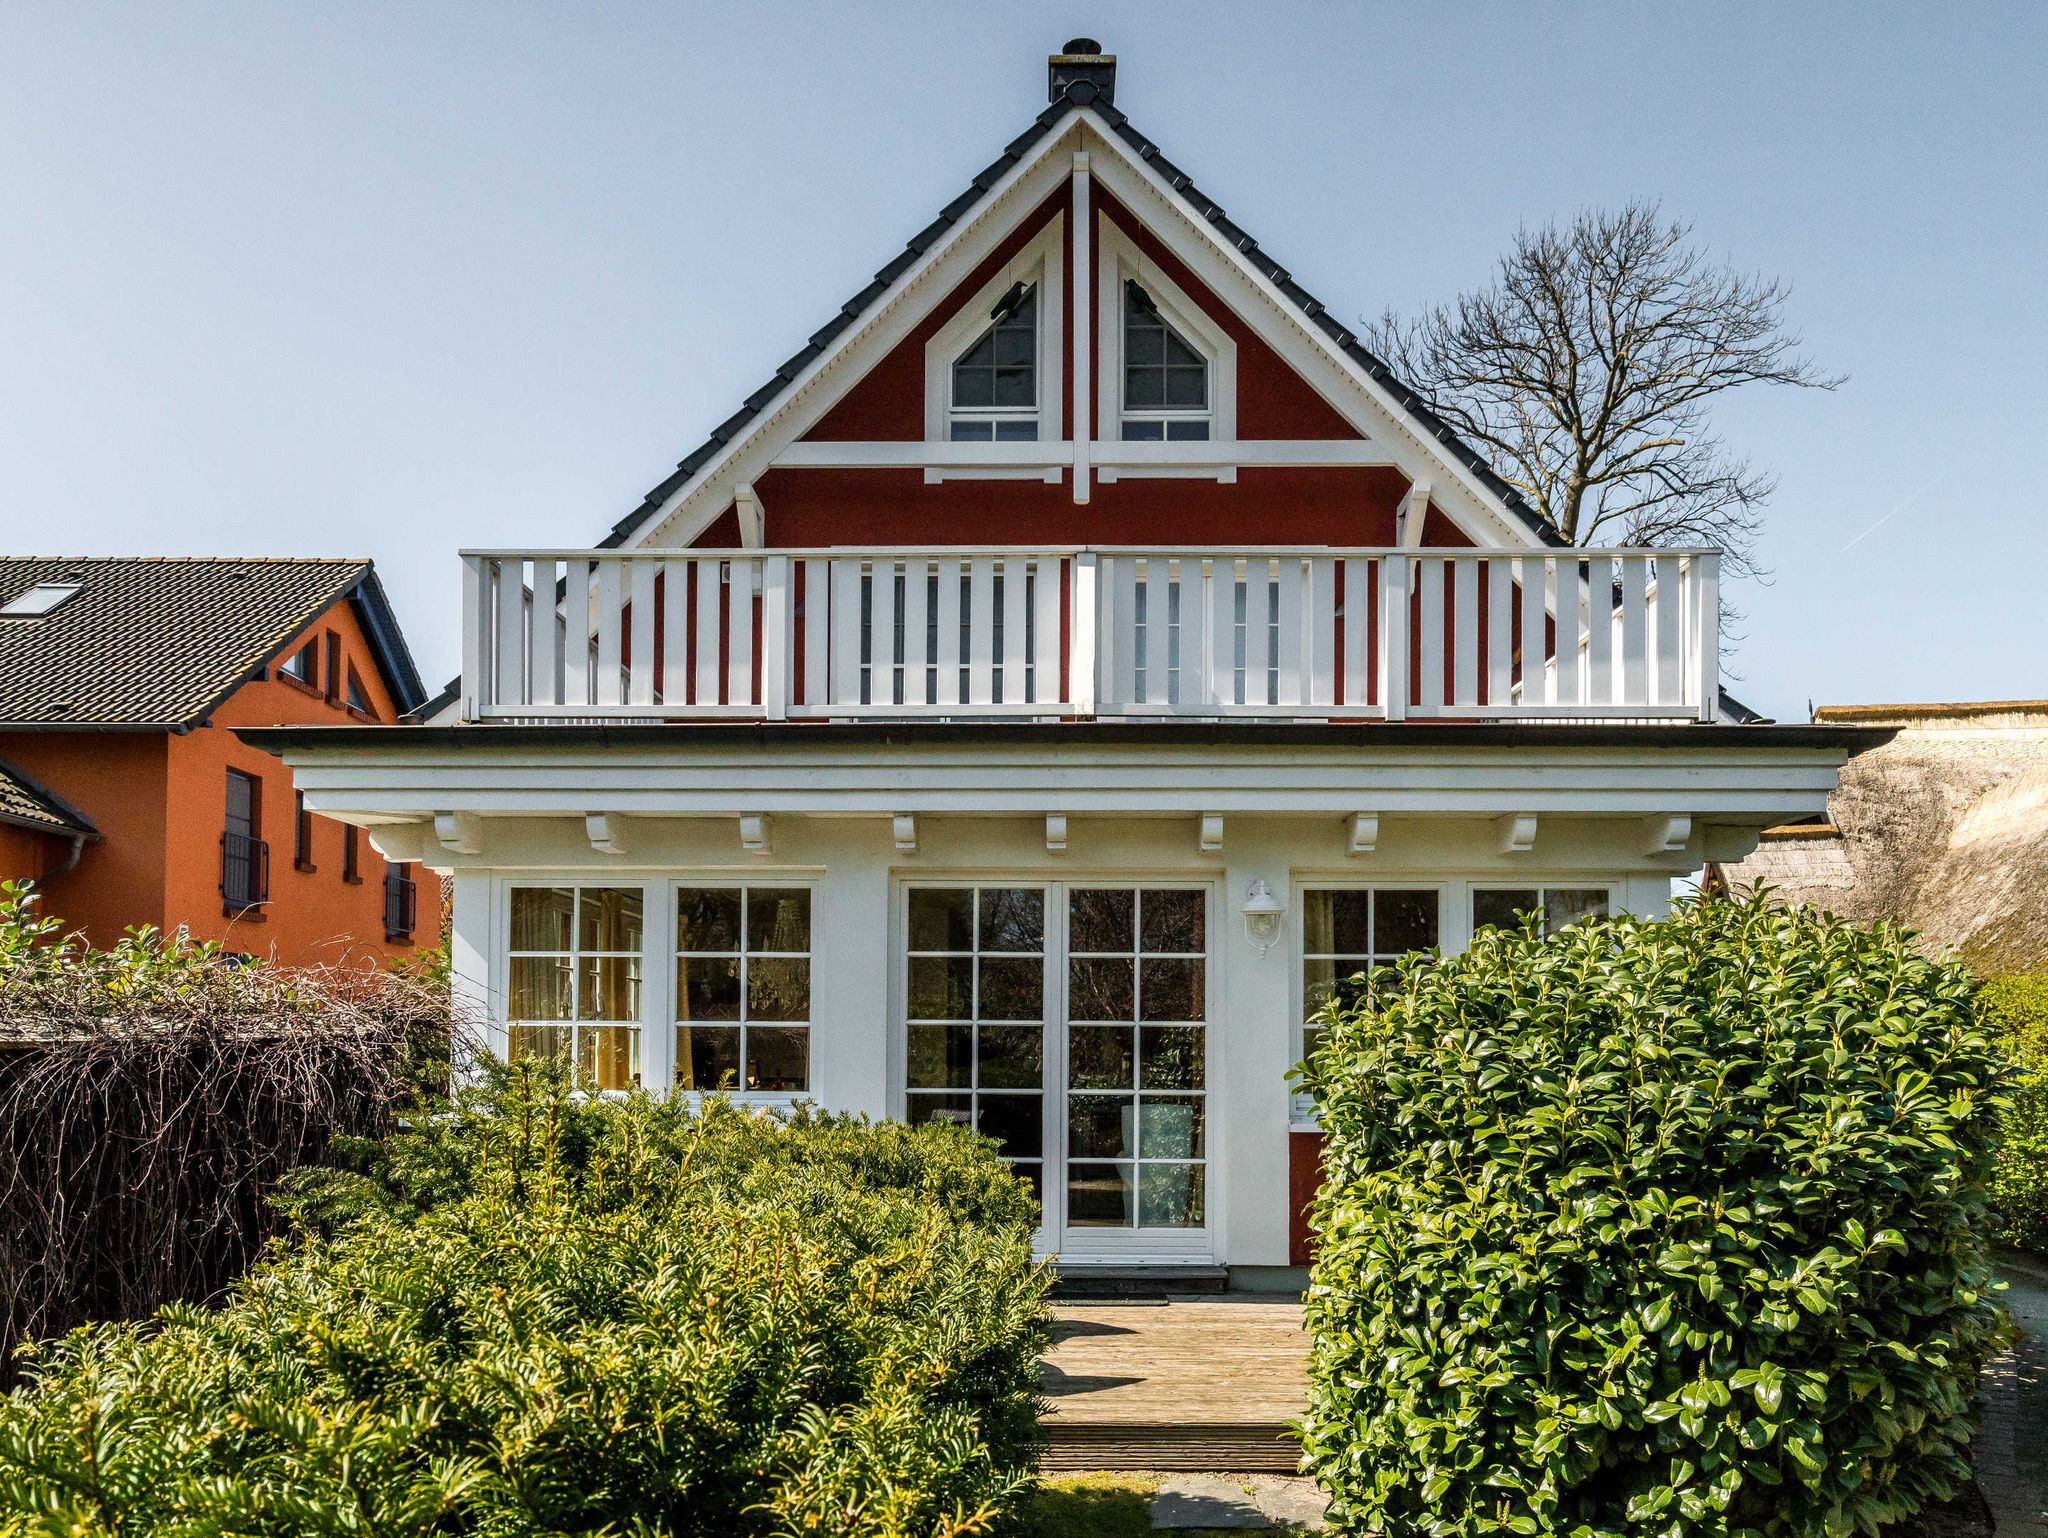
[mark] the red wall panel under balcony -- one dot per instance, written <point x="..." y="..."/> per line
<point x="1326" y="506"/>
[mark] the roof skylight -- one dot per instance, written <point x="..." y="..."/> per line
<point x="39" y="600"/>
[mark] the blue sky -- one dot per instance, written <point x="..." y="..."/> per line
<point x="392" y="279"/>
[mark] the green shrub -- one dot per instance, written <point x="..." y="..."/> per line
<point x="1653" y="1228"/>
<point x="2017" y="1009"/>
<point x="543" y="1315"/>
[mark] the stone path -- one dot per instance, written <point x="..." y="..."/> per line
<point x="1211" y="1501"/>
<point x="2012" y="1447"/>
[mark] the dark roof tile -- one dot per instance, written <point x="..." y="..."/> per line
<point x="160" y="642"/>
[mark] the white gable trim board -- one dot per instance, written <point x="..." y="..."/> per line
<point x="773" y="436"/>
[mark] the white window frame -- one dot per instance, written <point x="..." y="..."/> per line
<point x="653" y="1060"/>
<point x="736" y="881"/>
<point x="1539" y="885"/>
<point x="1301" y="1110"/>
<point x="1099" y="1246"/>
<point x="1121" y="262"/>
<point x="1041" y="262"/>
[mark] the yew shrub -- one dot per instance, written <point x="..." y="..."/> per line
<point x="2017" y="1009"/>
<point x="536" y="1314"/>
<point x="1668" y="1227"/>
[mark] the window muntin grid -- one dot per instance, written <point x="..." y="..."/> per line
<point x="574" y="974"/>
<point x="975" y="1007"/>
<point x="1558" y="907"/>
<point x="743" y="988"/>
<point x="1165" y="377"/>
<point x="1348" y="934"/>
<point x="995" y="381"/>
<point x="1137" y="1039"/>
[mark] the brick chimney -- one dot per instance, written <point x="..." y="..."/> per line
<point x="1083" y="66"/>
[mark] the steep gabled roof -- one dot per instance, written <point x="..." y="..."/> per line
<point x="1079" y="94"/>
<point x="26" y="804"/>
<point x="155" y="642"/>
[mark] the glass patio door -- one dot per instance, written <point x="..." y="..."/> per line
<point x="1070" y="1023"/>
<point x="1137" y="1046"/>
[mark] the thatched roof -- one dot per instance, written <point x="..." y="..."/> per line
<point x="1944" y="828"/>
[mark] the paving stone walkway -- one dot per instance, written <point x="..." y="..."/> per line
<point x="1213" y="1501"/>
<point x="2012" y="1447"/>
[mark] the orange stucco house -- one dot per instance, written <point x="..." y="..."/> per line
<point x="125" y="793"/>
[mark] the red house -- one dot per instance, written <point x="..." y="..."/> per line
<point x="1078" y="661"/>
<point x="124" y="792"/>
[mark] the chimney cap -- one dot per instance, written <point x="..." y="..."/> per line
<point x="1081" y="72"/>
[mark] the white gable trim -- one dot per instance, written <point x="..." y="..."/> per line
<point x="688" y="510"/>
<point x="1362" y="400"/>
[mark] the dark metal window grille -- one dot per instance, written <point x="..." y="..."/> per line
<point x="401" y="903"/>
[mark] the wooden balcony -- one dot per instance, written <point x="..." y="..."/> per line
<point x="1298" y="633"/>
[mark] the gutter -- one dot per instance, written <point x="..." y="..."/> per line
<point x="741" y="737"/>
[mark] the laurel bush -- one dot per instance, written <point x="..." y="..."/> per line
<point x="1666" y="1227"/>
<point x="539" y="1314"/>
<point x="2017" y="1009"/>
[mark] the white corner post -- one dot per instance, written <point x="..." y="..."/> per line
<point x="1706" y="587"/>
<point x="1081" y="306"/>
<point x="469" y="962"/>
<point x="1394" y="573"/>
<point x="1081" y="637"/>
<point x="778" y="639"/>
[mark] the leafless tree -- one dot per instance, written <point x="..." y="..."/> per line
<point x="1586" y="369"/>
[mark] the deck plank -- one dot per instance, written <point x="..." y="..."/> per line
<point x="1158" y="1385"/>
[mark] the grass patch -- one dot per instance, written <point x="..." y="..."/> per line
<point x="1106" y="1505"/>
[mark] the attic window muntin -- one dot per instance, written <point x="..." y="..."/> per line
<point x="1034" y="271"/>
<point x="995" y="381"/>
<point x="44" y="598"/>
<point x="1167" y="393"/>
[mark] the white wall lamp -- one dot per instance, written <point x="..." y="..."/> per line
<point x="1262" y="912"/>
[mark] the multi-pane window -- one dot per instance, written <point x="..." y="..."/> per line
<point x="1556" y="907"/>
<point x="995" y="382"/>
<point x="575" y="980"/>
<point x="743" y="989"/>
<point x="1166" y="380"/>
<point x="244" y="855"/>
<point x="1348" y="934"/>
<point x="1137" y="1007"/>
<point x="976" y="1002"/>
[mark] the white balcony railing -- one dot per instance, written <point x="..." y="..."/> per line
<point x="1096" y="631"/>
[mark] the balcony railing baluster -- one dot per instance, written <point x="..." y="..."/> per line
<point x="1301" y="632"/>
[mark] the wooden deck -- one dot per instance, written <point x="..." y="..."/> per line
<point x="1204" y="1383"/>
